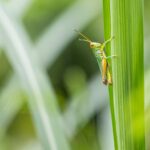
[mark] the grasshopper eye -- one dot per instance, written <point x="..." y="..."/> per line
<point x="92" y="45"/>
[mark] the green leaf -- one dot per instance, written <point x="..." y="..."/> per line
<point x="125" y="22"/>
<point x="107" y="32"/>
<point x="42" y="102"/>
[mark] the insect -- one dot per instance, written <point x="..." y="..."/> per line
<point x="99" y="52"/>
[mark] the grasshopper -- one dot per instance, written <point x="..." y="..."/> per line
<point x="99" y="52"/>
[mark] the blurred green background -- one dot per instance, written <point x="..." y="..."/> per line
<point x="46" y="29"/>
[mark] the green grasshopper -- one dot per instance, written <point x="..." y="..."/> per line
<point x="99" y="52"/>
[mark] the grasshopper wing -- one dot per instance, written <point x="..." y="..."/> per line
<point x="102" y="63"/>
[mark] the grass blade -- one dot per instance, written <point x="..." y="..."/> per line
<point x="107" y="32"/>
<point x="126" y="24"/>
<point x="51" y="51"/>
<point x="105" y="130"/>
<point x="42" y="99"/>
<point x="18" y="11"/>
<point x="13" y="96"/>
<point x="76" y="115"/>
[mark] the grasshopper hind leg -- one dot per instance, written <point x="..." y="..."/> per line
<point x="109" y="76"/>
<point x="104" y="71"/>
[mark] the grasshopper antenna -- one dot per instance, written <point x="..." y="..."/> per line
<point x="85" y="38"/>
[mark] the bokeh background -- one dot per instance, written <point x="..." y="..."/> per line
<point x="50" y="85"/>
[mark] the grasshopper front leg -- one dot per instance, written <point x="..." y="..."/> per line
<point x="108" y="41"/>
<point x="106" y="57"/>
<point x="113" y="56"/>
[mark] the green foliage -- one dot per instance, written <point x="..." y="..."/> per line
<point x="107" y="34"/>
<point x="60" y="81"/>
<point x="47" y="11"/>
<point x="126" y="24"/>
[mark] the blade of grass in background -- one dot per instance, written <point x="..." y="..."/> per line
<point x="42" y="99"/>
<point x="48" y="51"/>
<point x="126" y="24"/>
<point x="147" y="109"/>
<point x="105" y="132"/>
<point x="13" y="96"/>
<point x="76" y="114"/>
<point x="18" y="11"/>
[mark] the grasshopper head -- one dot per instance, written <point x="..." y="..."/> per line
<point x="95" y="45"/>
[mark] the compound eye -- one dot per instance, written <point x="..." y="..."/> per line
<point x="92" y="45"/>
